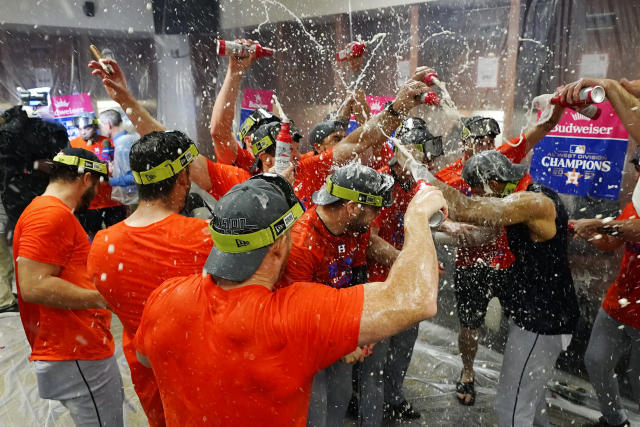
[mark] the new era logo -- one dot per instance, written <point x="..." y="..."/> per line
<point x="578" y="149"/>
<point x="241" y="243"/>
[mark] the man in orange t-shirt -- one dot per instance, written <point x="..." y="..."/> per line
<point x="102" y="210"/>
<point x="129" y="260"/>
<point x="226" y="349"/>
<point x="480" y="270"/>
<point x="62" y="313"/>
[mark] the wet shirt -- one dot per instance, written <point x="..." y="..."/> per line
<point x="128" y="263"/>
<point x="224" y="177"/>
<point x="246" y="356"/>
<point x="48" y="232"/>
<point x="390" y="225"/>
<point x="103" y="198"/>
<point x="621" y="301"/>
<point x="496" y="253"/>
<point x="540" y="296"/>
<point x="321" y="257"/>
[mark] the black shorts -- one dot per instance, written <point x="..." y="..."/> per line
<point x="474" y="286"/>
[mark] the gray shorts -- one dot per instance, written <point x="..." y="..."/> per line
<point x="90" y="389"/>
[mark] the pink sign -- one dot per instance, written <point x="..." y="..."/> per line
<point x="574" y="124"/>
<point x="71" y="105"/>
<point x="376" y="103"/>
<point x="257" y="98"/>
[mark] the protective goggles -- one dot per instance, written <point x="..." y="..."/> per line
<point x="85" y="122"/>
<point x="480" y="128"/>
<point x="432" y="147"/>
<point x="84" y="164"/>
<point x="409" y="124"/>
<point x="359" y="196"/>
<point x="238" y="243"/>
<point x="255" y="119"/>
<point x="166" y="169"/>
<point x="262" y="144"/>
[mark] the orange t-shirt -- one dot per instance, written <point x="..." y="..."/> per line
<point x="246" y="356"/>
<point x="128" y="263"/>
<point x="497" y="253"/>
<point x="103" y="198"/>
<point x="627" y="284"/>
<point x="224" y="177"/>
<point x="320" y="257"/>
<point x="48" y="232"/>
<point x="244" y="159"/>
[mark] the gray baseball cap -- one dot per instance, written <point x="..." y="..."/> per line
<point x="491" y="165"/>
<point x="358" y="183"/>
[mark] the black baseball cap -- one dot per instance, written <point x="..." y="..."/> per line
<point x="414" y="131"/>
<point x="247" y="220"/>
<point x="479" y="127"/>
<point x="257" y="118"/>
<point x="324" y="129"/>
<point x="357" y="183"/>
<point x="491" y="165"/>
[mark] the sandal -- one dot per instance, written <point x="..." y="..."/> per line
<point x="466" y="388"/>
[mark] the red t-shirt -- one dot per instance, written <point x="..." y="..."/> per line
<point x="390" y="225"/>
<point x="627" y="284"/>
<point x="497" y="253"/>
<point x="48" y="232"/>
<point x="244" y="159"/>
<point x="103" y="198"/>
<point x="128" y="263"/>
<point x="321" y="257"/>
<point x="224" y="177"/>
<point x="246" y="356"/>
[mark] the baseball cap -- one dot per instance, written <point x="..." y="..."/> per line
<point x="85" y="160"/>
<point x="246" y="221"/>
<point x="357" y="183"/>
<point x="479" y="127"/>
<point x="324" y="129"/>
<point x="491" y="165"/>
<point x="414" y="131"/>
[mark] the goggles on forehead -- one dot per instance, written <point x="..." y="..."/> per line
<point x="431" y="147"/>
<point x="84" y="122"/>
<point x="166" y="169"/>
<point x="409" y="124"/>
<point x="480" y="128"/>
<point x="86" y="165"/>
<point x="359" y="196"/>
<point x="255" y="119"/>
<point x="238" y="243"/>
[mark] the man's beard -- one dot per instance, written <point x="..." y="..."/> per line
<point x="358" y="228"/>
<point x="87" y="197"/>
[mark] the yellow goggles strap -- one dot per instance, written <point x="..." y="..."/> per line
<point x="166" y="169"/>
<point x="244" y="129"/>
<point x="82" y="163"/>
<point x="353" y="195"/>
<point x="238" y="243"/>
<point x="261" y="145"/>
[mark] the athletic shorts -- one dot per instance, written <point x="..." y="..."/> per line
<point x="474" y="286"/>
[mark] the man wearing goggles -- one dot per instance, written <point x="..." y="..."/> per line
<point x="63" y="315"/>
<point x="132" y="258"/>
<point x="480" y="269"/>
<point x="330" y="246"/>
<point x="266" y="346"/>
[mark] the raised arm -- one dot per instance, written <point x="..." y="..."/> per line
<point x="116" y="86"/>
<point x="535" y="210"/>
<point x="221" y="129"/>
<point x="410" y="292"/>
<point x="625" y="103"/>
<point x="376" y="130"/>
<point x="535" y="134"/>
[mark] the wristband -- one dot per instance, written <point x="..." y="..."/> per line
<point x="389" y="109"/>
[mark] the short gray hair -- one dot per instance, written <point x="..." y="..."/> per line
<point x="112" y="117"/>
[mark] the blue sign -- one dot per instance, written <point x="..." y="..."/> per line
<point x="580" y="166"/>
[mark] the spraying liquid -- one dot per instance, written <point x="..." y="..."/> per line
<point x="227" y="48"/>
<point x="447" y="104"/>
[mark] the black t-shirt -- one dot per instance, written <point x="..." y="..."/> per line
<point x="540" y="296"/>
